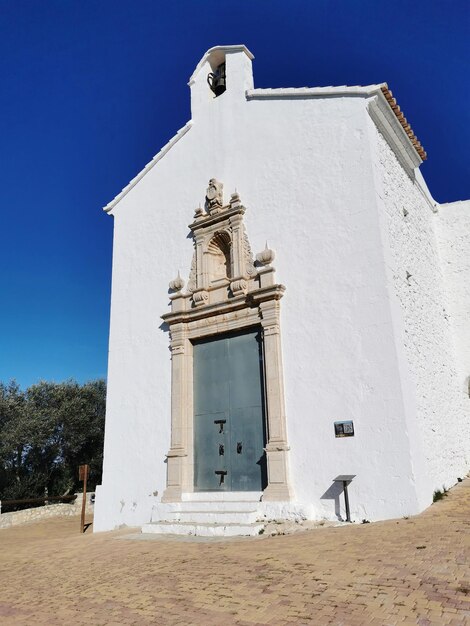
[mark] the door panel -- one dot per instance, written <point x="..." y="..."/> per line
<point x="209" y="455"/>
<point x="211" y="388"/>
<point x="229" y="428"/>
<point x="211" y="385"/>
<point x="244" y="370"/>
<point x="247" y="452"/>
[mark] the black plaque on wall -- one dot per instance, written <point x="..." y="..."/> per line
<point x="344" y="429"/>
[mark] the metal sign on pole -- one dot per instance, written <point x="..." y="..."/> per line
<point x="83" y="475"/>
<point x="345" y="479"/>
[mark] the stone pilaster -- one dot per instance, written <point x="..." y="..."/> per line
<point x="277" y="448"/>
<point x="178" y="452"/>
<point x="236" y="223"/>
<point x="200" y="264"/>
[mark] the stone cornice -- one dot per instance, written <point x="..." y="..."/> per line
<point x="251" y="300"/>
<point x="271" y="292"/>
<point x="209" y="220"/>
<point x="387" y="123"/>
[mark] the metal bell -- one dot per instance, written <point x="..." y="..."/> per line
<point x="216" y="80"/>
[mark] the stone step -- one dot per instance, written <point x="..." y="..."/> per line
<point x="221" y="512"/>
<point x="218" y="505"/>
<point x="217" y="517"/>
<point x="223" y="496"/>
<point x="203" y="530"/>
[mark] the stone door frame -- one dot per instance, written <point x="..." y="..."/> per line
<point x="246" y="297"/>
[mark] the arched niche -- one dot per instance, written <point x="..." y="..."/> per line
<point x="219" y="261"/>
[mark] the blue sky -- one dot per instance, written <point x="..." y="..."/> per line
<point x="92" y="89"/>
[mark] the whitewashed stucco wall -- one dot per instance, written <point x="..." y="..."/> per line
<point x="430" y="377"/>
<point x="304" y="169"/>
<point x="453" y="230"/>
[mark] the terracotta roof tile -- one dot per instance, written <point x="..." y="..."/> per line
<point x="403" y="121"/>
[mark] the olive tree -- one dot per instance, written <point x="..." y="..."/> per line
<point x="46" y="432"/>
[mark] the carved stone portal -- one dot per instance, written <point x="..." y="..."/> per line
<point x="225" y="292"/>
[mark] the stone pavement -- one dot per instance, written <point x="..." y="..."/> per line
<point x="406" y="571"/>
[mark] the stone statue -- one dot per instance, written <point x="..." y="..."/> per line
<point x="214" y="196"/>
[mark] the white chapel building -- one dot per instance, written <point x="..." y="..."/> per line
<point x="289" y="306"/>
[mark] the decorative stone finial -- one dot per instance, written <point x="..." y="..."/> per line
<point x="177" y="283"/>
<point x="199" y="212"/>
<point x="267" y="256"/>
<point x="214" y="196"/>
<point x="235" y="199"/>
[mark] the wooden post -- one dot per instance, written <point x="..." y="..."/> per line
<point x="83" y="475"/>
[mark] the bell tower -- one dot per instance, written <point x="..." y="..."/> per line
<point x="224" y="73"/>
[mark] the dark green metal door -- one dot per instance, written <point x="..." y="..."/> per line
<point x="229" y="425"/>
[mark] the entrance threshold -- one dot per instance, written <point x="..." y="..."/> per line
<point x="222" y="496"/>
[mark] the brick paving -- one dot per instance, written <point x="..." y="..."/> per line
<point x="407" y="571"/>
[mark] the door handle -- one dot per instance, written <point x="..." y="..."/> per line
<point x="220" y="423"/>
<point x="221" y="474"/>
<point x="239" y="447"/>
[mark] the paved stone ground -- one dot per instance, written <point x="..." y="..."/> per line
<point x="413" y="571"/>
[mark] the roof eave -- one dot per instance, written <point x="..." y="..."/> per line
<point x="387" y="123"/>
<point x="166" y="148"/>
<point x="380" y="90"/>
<point x="403" y="121"/>
<point x="311" y="92"/>
<point x="382" y="108"/>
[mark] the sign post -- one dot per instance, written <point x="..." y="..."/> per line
<point x="345" y="479"/>
<point x="83" y="475"/>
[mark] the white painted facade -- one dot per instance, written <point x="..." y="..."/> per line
<point x="373" y="321"/>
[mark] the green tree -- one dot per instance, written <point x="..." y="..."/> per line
<point x="46" y="433"/>
<point x="13" y="437"/>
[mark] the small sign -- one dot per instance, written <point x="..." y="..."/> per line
<point x="344" y="429"/>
